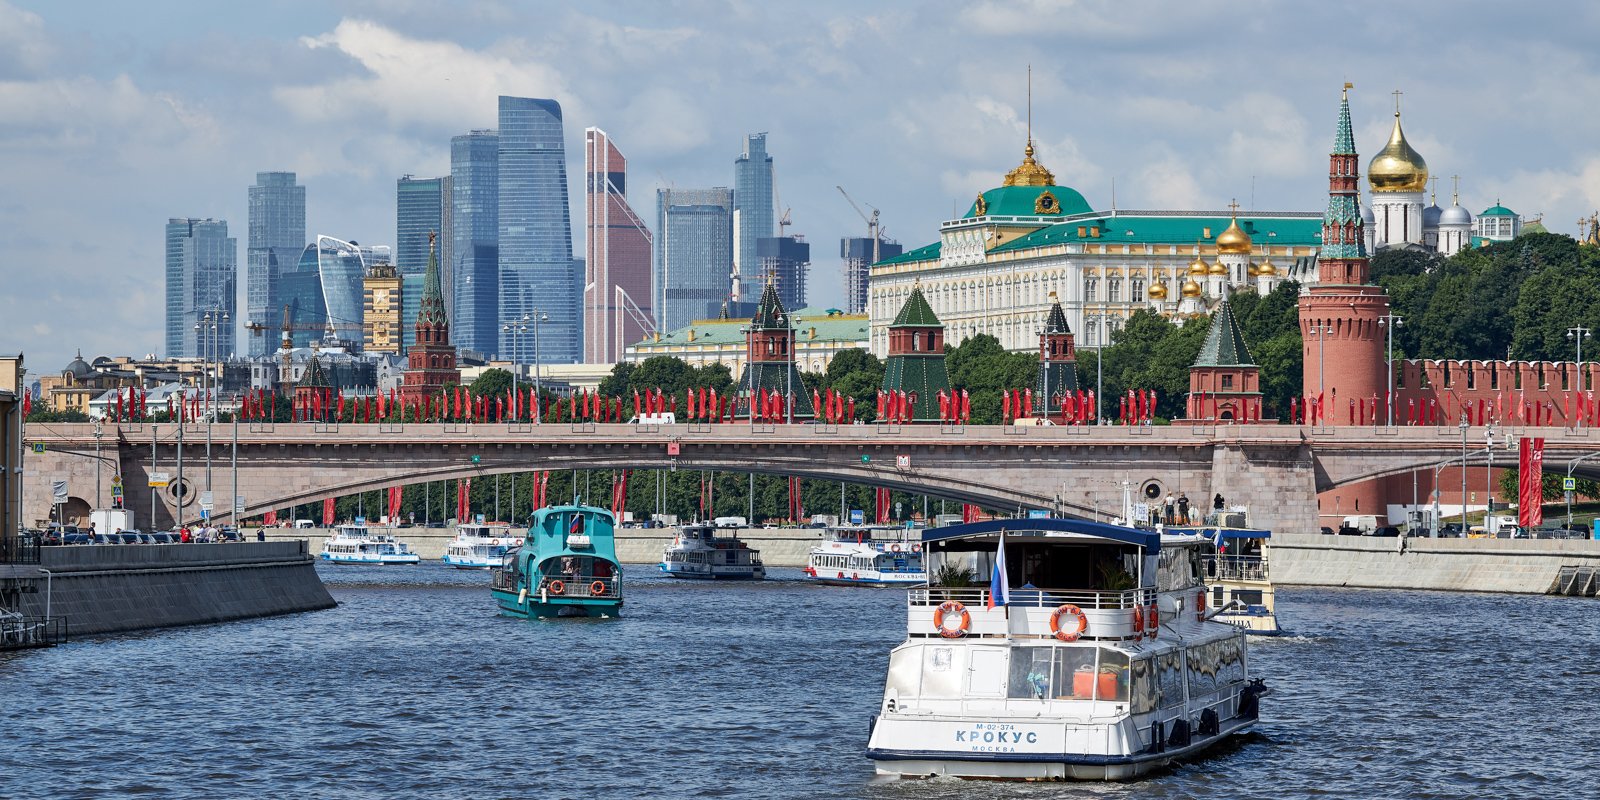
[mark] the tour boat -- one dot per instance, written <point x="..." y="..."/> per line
<point x="698" y="552"/>
<point x="859" y="555"/>
<point x="479" y="545"/>
<point x="357" y="544"/>
<point x="1241" y="585"/>
<point x="1051" y="649"/>
<point x="566" y="567"/>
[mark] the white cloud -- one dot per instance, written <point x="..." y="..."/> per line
<point x="24" y="50"/>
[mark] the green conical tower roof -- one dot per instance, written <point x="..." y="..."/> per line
<point x="314" y="377"/>
<point x="916" y="313"/>
<point x="770" y="313"/>
<point x="432" y="310"/>
<point x="1224" y="345"/>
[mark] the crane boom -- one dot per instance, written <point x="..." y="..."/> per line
<point x="873" y="232"/>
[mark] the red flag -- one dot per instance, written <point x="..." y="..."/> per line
<point x="1530" y="478"/>
<point x="880" y="404"/>
<point x="1027" y="402"/>
<point x="341" y="405"/>
<point x="270" y="518"/>
<point x="852" y="412"/>
<point x="327" y="512"/>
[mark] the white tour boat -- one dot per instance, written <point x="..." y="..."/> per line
<point x="1084" y="651"/>
<point x="357" y="544"/>
<point x="698" y="552"/>
<point x="480" y="545"/>
<point x="861" y="555"/>
<point x="1238" y="574"/>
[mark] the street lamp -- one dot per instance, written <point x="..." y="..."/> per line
<point x="1577" y="334"/>
<point x="1488" y="476"/>
<point x="1570" y="466"/>
<point x="208" y="327"/>
<point x="1390" y="321"/>
<point x="536" y="318"/>
<point x="516" y="328"/>
<point x="1463" y="427"/>
<point x="1321" y="331"/>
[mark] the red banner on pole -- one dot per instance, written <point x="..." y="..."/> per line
<point x="1530" y="482"/>
<point x="327" y="512"/>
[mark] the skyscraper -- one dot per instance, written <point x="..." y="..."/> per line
<point x="694" y="254"/>
<point x="536" y="265"/>
<point x="324" y="291"/>
<point x="752" y="210"/>
<point x="419" y="209"/>
<point x="277" y="235"/>
<point x="857" y="254"/>
<point x="473" y="264"/>
<point x="785" y="260"/>
<point x="202" y="273"/>
<point x="617" y="294"/>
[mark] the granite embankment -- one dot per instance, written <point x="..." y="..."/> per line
<point x="1518" y="566"/>
<point x="114" y="588"/>
<point x="780" y="547"/>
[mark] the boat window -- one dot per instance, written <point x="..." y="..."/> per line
<point x="1030" y="673"/>
<point x="1046" y="565"/>
<point x="1203" y="660"/>
<point x="905" y="671"/>
<point x="941" y="672"/>
<point x="1142" y="685"/>
<point x="1170" y="677"/>
<point x="986" y="675"/>
<point x="1230" y="661"/>
<point x="1178" y="568"/>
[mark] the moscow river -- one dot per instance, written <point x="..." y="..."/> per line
<point x="413" y="687"/>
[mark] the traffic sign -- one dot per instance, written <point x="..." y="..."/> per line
<point x="159" y="480"/>
<point x="38" y="447"/>
<point x="238" y="504"/>
<point x="206" y="499"/>
<point x="477" y="459"/>
<point x="1569" y="484"/>
<point x="902" y="462"/>
<point x="116" y="481"/>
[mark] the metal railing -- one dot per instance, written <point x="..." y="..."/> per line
<point x="18" y="631"/>
<point x="19" y="549"/>
<point x="1036" y="598"/>
<point x="581" y="585"/>
<point x="1236" y="568"/>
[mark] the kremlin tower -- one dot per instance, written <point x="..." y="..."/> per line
<point x="1343" y="357"/>
<point x="431" y="360"/>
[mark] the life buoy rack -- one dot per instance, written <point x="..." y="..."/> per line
<point x="1152" y="623"/>
<point x="1138" y="622"/>
<point x="944" y="612"/>
<point x="597" y="588"/>
<point x="1200" y="605"/>
<point x="1064" y="634"/>
<point x="557" y="587"/>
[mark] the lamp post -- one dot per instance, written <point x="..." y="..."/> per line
<point x="1577" y="334"/>
<point x="1321" y="331"/>
<point x="1488" y="476"/>
<point x="1571" y="465"/>
<point x="516" y="328"/>
<point x="536" y="318"/>
<point x="1463" y="427"/>
<point x="1390" y="321"/>
<point x="208" y="327"/>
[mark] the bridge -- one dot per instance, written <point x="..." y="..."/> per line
<point x="1078" y="471"/>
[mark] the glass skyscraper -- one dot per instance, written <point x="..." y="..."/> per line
<point x="857" y="254"/>
<point x="752" y="207"/>
<point x="537" y="271"/>
<point x="202" y="274"/>
<point x="472" y="269"/>
<point x="277" y="235"/>
<point x="419" y="209"/>
<point x="616" y="292"/>
<point x="694" y="255"/>
<point x="784" y="260"/>
<point x="324" y="291"/>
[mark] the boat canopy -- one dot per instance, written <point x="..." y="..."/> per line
<point x="1149" y="540"/>
<point x="1221" y="533"/>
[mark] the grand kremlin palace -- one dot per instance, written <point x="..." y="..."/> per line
<point x="994" y="270"/>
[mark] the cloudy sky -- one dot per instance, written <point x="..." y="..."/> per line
<point x="115" y="116"/>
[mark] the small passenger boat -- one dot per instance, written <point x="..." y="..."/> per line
<point x="357" y="544"/>
<point x="1237" y="572"/>
<point x="566" y="567"/>
<point x="1048" y="649"/>
<point x="699" y="552"/>
<point x="862" y="555"/>
<point x="479" y="545"/>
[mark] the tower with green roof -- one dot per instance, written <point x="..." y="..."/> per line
<point x="431" y="359"/>
<point x="1224" y="382"/>
<point x="916" y="357"/>
<point x="1058" y="360"/>
<point x="769" y="358"/>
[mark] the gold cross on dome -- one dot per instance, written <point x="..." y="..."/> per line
<point x="1397" y="94"/>
<point x="1234" y="204"/>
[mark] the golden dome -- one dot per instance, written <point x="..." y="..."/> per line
<point x="1190" y="288"/>
<point x="1197" y="266"/>
<point x="1157" y="291"/>
<point x="1250" y="269"/>
<point x="1234" y="241"/>
<point x="1266" y="267"/>
<point x="1397" y="167"/>
<point x="1218" y="268"/>
<point x="1029" y="172"/>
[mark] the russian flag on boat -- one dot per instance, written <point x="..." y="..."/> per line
<point x="999" y="594"/>
<point x="577" y="524"/>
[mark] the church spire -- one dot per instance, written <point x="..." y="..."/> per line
<point x="1343" y="253"/>
<point x="432" y="308"/>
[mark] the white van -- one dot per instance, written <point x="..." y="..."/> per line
<point x="1365" y="524"/>
<point x="304" y="523"/>
<point x="1031" y="422"/>
<point x="731" y="522"/>
<point x="664" y="418"/>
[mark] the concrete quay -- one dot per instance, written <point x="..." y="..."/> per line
<point x="1513" y="566"/>
<point x="116" y="588"/>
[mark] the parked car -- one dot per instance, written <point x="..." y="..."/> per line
<point x="77" y="538"/>
<point x="1451" y="530"/>
<point x="1385" y="530"/>
<point x="106" y="538"/>
<point x="159" y="538"/>
<point x="1326" y="531"/>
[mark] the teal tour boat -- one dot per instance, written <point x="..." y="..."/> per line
<point x="566" y="567"/>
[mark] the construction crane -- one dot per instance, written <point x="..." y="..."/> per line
<point x="289" y="327"/>
<point x="873" y="231"/>
<point x="783" y="218"/>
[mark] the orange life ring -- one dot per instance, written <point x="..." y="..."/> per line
<point x="597" y="588"/>
<point x="1138" y="622"/>
<point x="1062" y="633"/>
<point x="943" y="612"/>
<point x="916" y="547"/>
<point x="894" y="548"/>
<point x="1152" y="625"/>
<point x="557" y="587"/>
<point x="855" y="576"/>
<point x="1200" y="604"/>
<point x="841" y="574"/>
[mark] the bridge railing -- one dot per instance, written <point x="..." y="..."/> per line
<point x="20" y="549"/>
<point x="1035" y="598"/>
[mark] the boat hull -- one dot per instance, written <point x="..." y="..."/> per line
<point x="530" y="606"/>
<point x="714" y="573"/>
<point x="873" y="581"/>
<point x="469" y="563"/>
<point x="397" y="560"/>
<point x="1042" y="766"/>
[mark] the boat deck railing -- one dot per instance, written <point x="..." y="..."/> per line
<point x="18" y="631"/>
<point x="1036" y="598"/>
<point x="1236" y="568"/>
<point x="580" y="586"/>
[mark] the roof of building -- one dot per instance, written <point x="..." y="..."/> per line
<point x="78" y="367"/>
<point x="1497" y="210"/>
<point x="770" y="312"/>
<point x="432" y="310"/>
<point x="1056" y="322"/>
<point x="314" y="377"/>
<point x="1224" y="345"/>
<point x="852" y="328"/>
<point x="924" y="253"/>
<point x="916" y="313"/>
<point x="1030" y="201"/>
<point x="1179" y="230"/>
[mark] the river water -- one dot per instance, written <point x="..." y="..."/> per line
<point x="413" y="687"/>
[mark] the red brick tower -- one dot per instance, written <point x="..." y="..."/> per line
<point x="431" y="361"/>
<point x="1339" y="319"/>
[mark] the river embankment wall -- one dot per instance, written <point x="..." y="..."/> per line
<point x="117" y="588"/>
<point x="780" y="547"/>
<point x="1516" y="566"/>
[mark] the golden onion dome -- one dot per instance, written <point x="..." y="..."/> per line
<point x="1198" y="266"/>
<point x="1157" y="291"/>
<point x="1029" y="172"/>
<point x="1233" y="241"/>
<point x="1250" y="269"/>
<point x="1218" y="268"/>
<point x="1397" y="167"/>
<point x="1190" y="288"/>
<point x="1266" y="267"/>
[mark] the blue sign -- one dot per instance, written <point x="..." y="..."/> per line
<point x="479" y="519"/>
<point x="361" y="520"/>
<point x="205" y="513"/>
<point x="857" y="516"/>
<point x="1038" y="513"/>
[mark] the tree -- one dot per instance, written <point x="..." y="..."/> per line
<point x="492" y="383"/>
<point x="984" y="369"/>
